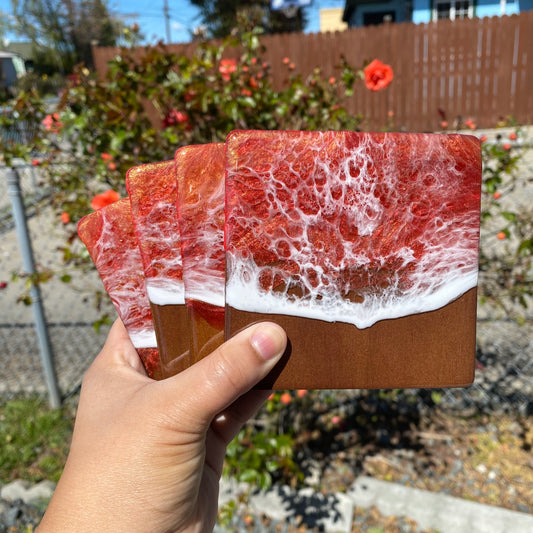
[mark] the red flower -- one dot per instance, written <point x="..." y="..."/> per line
<point x="377" y="75"/>
<point x="253" y="83"/>
<point x="483" y="138"/>
<point x="52" y="123"/>
<point x="106" y="157"/>
<point x="3" y="284"/>
<point x="35" y="162"/>
<point x="512" y="136"/>
<point x="246" y="92"/>
<point x="443" y="124"/>
<point x="174" y="117"/>
<point x="65" y="217"/>
<point x="286" y="60"/>
<point x="506" y="146"/>
<point x="285" y="398"/>
<point x="497" y="195"/>
<point x="104" y="198"/>
<point x="301" y="393"/>
<point x="227" y="67"/>
<point x="112" y="166"/>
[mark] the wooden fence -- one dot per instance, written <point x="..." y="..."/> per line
<point x="479" y="69"/>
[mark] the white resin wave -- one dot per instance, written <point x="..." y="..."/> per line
<point x="144" y="338"/>
<point x="165" y="291"/>
<point x="435" y="267"/>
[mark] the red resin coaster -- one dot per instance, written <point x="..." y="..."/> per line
<point x="109" y="237"/>
<point x="200" y="178"/>
<point x="363" y="246"/>
<point x="153" y="193"/>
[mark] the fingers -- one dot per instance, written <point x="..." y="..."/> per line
<point x="230" y="421"/>
<point x="211" y="385"/>
<point x="227" y="425"/>
<point x="118" y="349"/>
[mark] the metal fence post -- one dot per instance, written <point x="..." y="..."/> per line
<point x="19" y="215"/>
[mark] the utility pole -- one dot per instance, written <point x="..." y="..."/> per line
<point x="166" y="14"/>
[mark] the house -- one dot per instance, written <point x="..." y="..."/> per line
<point x="368" y="12"/>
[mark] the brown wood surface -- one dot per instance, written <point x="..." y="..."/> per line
<point x="172" y="333"/>
<point x="433" y="349"/>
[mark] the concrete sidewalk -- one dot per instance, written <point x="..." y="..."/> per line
<point x="333" y="513"/>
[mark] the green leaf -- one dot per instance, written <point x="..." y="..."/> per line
<point x="509" y="216"/>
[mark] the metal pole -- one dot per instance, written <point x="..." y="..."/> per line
<point x="19" y="214"/>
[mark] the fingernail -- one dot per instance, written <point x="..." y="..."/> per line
<point x="269" y="341"/>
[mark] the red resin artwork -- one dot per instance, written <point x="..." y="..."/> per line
<point x="153" y="194"/>
<point x="200" y="178"/>
<point x="364" y="246"/>
<point x="110" y="239"/>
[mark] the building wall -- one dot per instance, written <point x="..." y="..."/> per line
<point x="331" y="19"/>
<point x="422" y="9"/>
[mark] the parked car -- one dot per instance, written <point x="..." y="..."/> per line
<point x="12" y="67"/>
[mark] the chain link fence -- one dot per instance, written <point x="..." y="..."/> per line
<point x="504" y="363"/>
<point x="68" y="309"/>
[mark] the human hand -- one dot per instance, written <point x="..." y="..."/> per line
<point x="147" y="455"/>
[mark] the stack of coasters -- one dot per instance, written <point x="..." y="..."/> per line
<point x="363" y="246"/>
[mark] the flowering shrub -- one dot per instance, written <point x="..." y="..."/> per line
<point x="506" y="272"/>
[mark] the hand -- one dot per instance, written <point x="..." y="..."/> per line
<point x="147" y="455"/>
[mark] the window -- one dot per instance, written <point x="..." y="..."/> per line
<point x="453" y="9"/>
<point x="378" y="17"/>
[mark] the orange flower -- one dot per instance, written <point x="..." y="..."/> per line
<point x="512" y="136"/>
<point x="483" y="138"/>
<point x="506" y="146"/>
<point x="52" y="123"/>
<point x="501" y="235"/>
<point x="443" y="124"/>
<point x="377" y="75"/>
<point x="246" y="92"/>
<point x="285" y="398"/>
<point x="111" y="166"/>
<point x="65" y="217"/>
<point x="106" y="157"/>
<point x="227" y="67"/>
<point x="301" y="393"/>
<point x="332" y="80"/>
<point x="286" y="60"/>
<point x="104" y="198"/>
<point x="496" y="195"/>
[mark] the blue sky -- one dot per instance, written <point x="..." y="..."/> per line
<point x="183" y="16"/>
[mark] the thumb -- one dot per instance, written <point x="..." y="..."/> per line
<point x="215" y="382"/>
